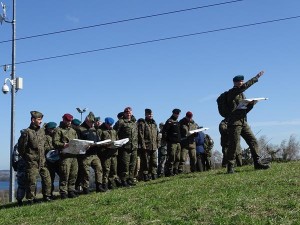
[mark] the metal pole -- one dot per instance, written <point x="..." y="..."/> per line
<point x="13" y="91"/>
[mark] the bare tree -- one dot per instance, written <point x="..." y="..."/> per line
<point x="216" y="159"/>
<point x="290" y="149"/>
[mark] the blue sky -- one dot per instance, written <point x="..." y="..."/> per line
<point x="187" y="73"/>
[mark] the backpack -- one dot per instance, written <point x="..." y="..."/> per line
<point x="223" y="106"/>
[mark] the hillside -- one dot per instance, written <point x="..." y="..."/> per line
<point x="246" y="197"/>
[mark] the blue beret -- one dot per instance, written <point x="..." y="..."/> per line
<point x="76" y="122"/>
<point x="238" y="78"/>
<point x="109" y="120"/>
<point x="51" y="125"/>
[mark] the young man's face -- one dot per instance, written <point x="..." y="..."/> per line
<point x="149" y="115"/>
<point x="37" y="121"/>
<point x="238" y="83"/>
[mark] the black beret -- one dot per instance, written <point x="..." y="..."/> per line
<point x="148" y="111"/>
<point x="176" y="111"/>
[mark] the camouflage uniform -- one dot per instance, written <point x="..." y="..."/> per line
<point x="53" y="167"/>
<point x="171" y="135"/>
<point x="68" y="166"/>
<point x="148" y="141"/>
<point x="127" y="154"/>
<point x="90" y="159"/>
<point x="238" y="126"/>
<point x="31" y="146"/>
<point x="108" y="156"/>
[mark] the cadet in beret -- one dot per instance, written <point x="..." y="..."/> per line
<point x="237" y="122"/>
<point x="148" y="142"/>
<point x="68" y="167"/>
<point x="31" y="146"/>
<point x="108" y="155"/>
<point x="53" y="166"/>
<point x="171" y="135"/>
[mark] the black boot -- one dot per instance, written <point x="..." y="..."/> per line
<point x="146" y="177"/>
<point x="230" y="168"/>
<point x="63" y="195"/>
<point x="154" y="176"/>
<point x="260" y="166"/>
<point x="72" y="194"/>
<point x="105" y="187"/>
<point x="99" y="188"/>
<point x="130" y="182"/>
<point x="125" y="184"/>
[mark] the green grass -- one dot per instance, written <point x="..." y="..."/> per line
<point x="246" y="197"/>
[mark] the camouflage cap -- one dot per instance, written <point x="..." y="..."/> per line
<point x="90" y="117"/>
<point x="36" y="114"/>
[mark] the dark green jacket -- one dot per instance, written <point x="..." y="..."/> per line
<point x="188" y="141"/>
<point x="234" y="97"/>
<point x="171" y="131"/>
<point x="127" y="129"/>
<point x="148" y="134"/>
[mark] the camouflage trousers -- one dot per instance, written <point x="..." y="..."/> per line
<point x="127" y="163"/>
<point x="87" y="162"/>
<point x="32" y="170"/>
<point x="162" y="157"/>
<point x="183" y="158"/>
<point x="149" y="161"/>
<point x="68" y="169"/>
<point x="234" y="135"/>
<point x="109" y="166"/>
<point x="21" y="179"/>
<point x="173" y="157"/>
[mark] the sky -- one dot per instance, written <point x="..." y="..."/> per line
<point x="124" y="66"/>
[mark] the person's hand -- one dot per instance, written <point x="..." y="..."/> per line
<point x="259" y="74"/>
<point x="66" y="145"/>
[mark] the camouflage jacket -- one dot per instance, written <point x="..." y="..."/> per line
<point x="234" y="97"/>
<point x="90" y="134"/>
<point x="148" y="134"/>
<point x="188" y="141"/>
<point x="31" y="145"/>
<point x="63" y="135"/>
<point x="127" y="129"/>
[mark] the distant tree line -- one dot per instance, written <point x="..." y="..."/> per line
<point x="288" y="150"/>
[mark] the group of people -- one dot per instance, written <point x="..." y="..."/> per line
<point x="152" y="151"/>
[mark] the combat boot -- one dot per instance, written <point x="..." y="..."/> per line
<point x="72" y="194"/>
<point x="154" y="176"/>
<point x="63" y="196"/>
<point x="230" y="168"/>
<point x="130" y="182"/>
<point x="20" y="203"/>
<point x="85" y="191"/>
<point x="125" y="184"/>
<point x="105" y="187"/>
<point x="99" y="188"/>
<point x="260" y="166"/>
<point x="146" y="177"/>
<point x="47" y="198"/>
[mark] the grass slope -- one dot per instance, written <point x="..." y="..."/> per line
<point x="246" y="197"/>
